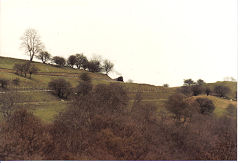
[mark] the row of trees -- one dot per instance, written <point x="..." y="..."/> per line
<point x="33" y="47"/>
<point x="80" y="61"/>
<point x="190" y="88"/>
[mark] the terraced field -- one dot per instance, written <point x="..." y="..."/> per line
<point x="36" y="97"/>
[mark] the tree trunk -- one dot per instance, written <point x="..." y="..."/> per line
<point x="31" y="57"/>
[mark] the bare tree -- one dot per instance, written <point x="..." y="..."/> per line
<point x="32" y="70"/>
<point x="31" y="43"/>
<point x="107" y="66"/>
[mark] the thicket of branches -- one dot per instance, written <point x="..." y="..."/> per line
<point x="25" y="68"/>
<point x="101" y="124"/>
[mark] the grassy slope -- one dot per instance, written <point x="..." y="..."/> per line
<point x="220" y="104"/>
<point x="46" y="73"/>
<point x="231" y="85"/>
<point x="47" y="106"/>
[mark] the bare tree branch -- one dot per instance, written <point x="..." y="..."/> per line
<point x="31" y="43"/>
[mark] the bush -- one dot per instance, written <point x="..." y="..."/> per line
<point x="7" y="102"/>
<point x="23" y="137"/>
<point x="221" y="91"/>
<point x="4" y="83"/>
<point x="197" y="89"/>
<point x="111" y="96"/>
<point x="179" y="106"/>
<point x="60" y="61"/>
<point x="61" y="87"/>
<point x="94" y="66"/>
<point x="85" y="77"/>
<point x="16" y="81"/>
<point x="206" y="105"/>
<point x="186" y="90"/>
<point x="84" y="88"/>
<point x="72" y="60"/>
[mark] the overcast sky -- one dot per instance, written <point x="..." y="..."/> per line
<point x="149" y="41"/>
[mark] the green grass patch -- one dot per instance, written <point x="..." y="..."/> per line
<point x="48" y="112"/>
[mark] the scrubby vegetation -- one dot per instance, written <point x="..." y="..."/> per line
<point x="60" y="87"/>
<point x="191" y="88"/>
<point x="4" y="83"/>
<point x="103" y="125"/>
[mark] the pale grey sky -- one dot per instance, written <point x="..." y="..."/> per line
<point x="149" y="41"/>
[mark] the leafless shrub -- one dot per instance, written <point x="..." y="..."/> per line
<point x="22" y="137"/>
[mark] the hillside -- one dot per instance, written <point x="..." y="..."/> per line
<point x="46" y="73"/>
<point x="229" y="84"/>
<point x="46" y="106"/>
<point x="220" y="104"/>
